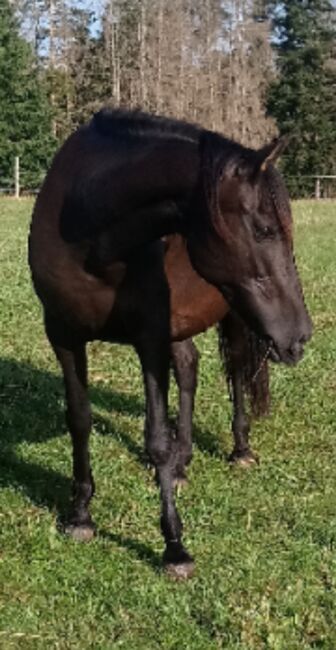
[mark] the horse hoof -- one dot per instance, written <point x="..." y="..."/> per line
<point x="84" y="533"/>
<point x="245" y="461"/>
<point x="178" y="564"/>
<point x="180" y="482"/>
<point x="182" y="571"/>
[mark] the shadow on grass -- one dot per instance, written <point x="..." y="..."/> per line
<point x="32" y="411"/>
<point x="143" y="552"/>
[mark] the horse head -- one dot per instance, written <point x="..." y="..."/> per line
<point x="241" y="241"/>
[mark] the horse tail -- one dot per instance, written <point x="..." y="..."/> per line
<point x="240" y="348"/>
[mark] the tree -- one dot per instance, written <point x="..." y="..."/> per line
<point x="248" y="73"/>
<point x="302" y="98"/>
<point x="25" y="123"/>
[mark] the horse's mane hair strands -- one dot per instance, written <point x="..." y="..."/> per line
<point x="254" y="368"/>
<point x="119" y="121"/>
<point x="277" y="191"/>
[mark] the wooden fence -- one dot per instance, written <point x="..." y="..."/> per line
<point x="16" y="186"/>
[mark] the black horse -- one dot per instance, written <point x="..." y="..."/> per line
<point x="114" y="188"/>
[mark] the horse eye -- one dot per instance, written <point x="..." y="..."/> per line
<point x="262" y="232"/>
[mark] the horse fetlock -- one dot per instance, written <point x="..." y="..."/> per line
<point x="241" y="426"/>
<point x="171" y="525"/>
<point x="178" y="563"/>
<point x="184" y="455"/>
<point x="82" y="493"/>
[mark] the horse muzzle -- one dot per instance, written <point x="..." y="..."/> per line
<point x="289" y="355"/>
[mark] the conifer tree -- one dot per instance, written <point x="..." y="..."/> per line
<point x="25" y="129"/>
<point x="302" y="99"/>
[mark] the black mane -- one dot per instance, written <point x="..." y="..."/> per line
<point x="110" y="121"/>
<point x="125" y="122"/>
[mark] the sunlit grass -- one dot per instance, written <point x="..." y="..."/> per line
<point x="264" y="541"/>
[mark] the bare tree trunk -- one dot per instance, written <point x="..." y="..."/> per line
<point x="181" y="73"/>
<point x="142" y="30"/>
<point x="209" y="62"/>
<point x="115" y="63"/>
<point x="159" y="59"/>
<point x="52" y="59"/>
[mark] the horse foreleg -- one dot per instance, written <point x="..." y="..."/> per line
<point x="78" y="415"/>
<point x="184" y="356"/>
<point x="161" y="448"/>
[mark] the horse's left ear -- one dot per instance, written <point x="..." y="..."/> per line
<point x="272" y="151"/>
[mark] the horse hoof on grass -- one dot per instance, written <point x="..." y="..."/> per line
<point x="182" y="571"/>
<point x="178" y="564"/>
<point x="83" y="533"/>
<point x="245" y="461"/>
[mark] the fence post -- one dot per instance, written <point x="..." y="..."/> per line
<point x="17" y="177"/>
<point x="317" y="188"/>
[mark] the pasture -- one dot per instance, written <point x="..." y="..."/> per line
<point x="264" y="539"/>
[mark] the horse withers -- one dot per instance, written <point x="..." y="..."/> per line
<point x="115" y="186"/>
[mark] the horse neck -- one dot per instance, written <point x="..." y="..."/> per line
<point x="128" y="182"/>
<point x="164" y="170"/>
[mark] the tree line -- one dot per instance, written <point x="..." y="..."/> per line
<point x="248" y="68"/>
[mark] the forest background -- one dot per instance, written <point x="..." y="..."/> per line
<point x="249" y="69"/>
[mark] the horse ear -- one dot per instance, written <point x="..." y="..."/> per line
<point x="254" y="162"/>
<point x="271" y="152"/>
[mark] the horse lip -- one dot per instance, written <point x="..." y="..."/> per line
<point x="276" y="353"/>
<point x="288" y="356"/>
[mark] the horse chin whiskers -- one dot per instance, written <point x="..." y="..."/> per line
<point x="262" y="362"/>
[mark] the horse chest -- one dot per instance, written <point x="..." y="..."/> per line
<point x="196" y="311"/>
<point x="195" y="305"/>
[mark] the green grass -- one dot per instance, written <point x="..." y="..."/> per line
<point x="264" y="540"/>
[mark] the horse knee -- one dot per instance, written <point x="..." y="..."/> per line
<point x="159" y="448"/>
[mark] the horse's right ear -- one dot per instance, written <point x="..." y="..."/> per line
<point x="271" y="152"/>
<point x="254" y="162"/>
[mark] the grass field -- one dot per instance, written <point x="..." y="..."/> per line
<point x="264" y="540"/>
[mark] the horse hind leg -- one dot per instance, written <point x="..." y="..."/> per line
<point x="72" y="358"/>
<point x="242" y="453"/>
<point x="184" y="357"/>
<point x="161" y="448"/>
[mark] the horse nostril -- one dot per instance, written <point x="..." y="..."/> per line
<point x="305" y="337"/>
<point x="296" y="350"/>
